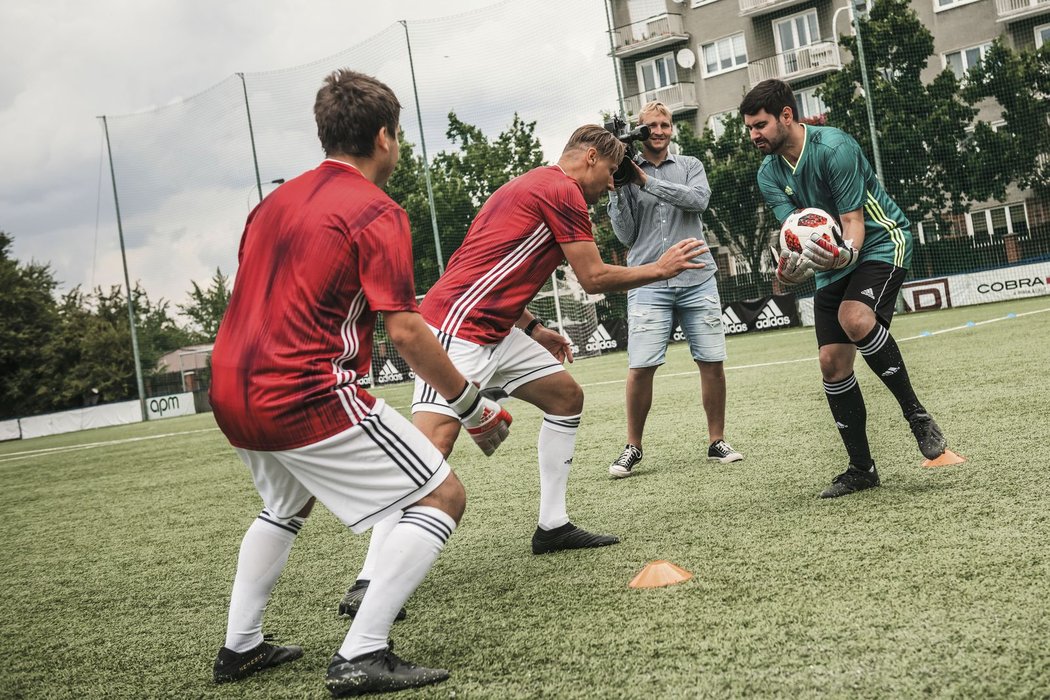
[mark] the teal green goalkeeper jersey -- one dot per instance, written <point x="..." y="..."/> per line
<point x="832" y="174"/>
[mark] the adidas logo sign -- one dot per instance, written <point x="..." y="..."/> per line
<point x="868" y="293"/>
<point x="890" y="372"/>
<point x="390" y="373"/>
<point x="678" y="334"/>
<point x="840" y="426"/>
<point x="731" y="322"/>
<point x="600" y="340"/>
<point x="364" y="380"/>
<point x="771" y="317"/>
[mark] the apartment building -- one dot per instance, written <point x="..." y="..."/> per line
<point x="701" y="56"/>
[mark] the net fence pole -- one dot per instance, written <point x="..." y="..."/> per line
<point x="557" y="303"/>
<point x="855" y="17"/>
<point x="251" y="135"/>
<point x="127" y="278"/>
<point x="616" y="62"/>
<point x="426" y="161"/>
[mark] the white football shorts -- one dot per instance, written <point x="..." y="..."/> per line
<point x="515" y="360"/>
<point x="361" y="475"/>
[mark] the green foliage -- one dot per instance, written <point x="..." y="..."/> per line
<point x="207" y="306"/>
<point x="737" y="214"/>
<point x="932" y="164"/>
<point x="28" y="315"/>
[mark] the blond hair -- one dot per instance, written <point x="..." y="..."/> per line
<point x="654" y="106"/>
<point x="596" y="137"/>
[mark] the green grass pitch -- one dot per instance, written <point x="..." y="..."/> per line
<point x="118" y="557"/>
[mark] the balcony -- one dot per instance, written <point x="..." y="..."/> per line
<point x="751" y="8"/>
<point x="652" y="33"/>
<point x="680" y="97"/>
<point x="815" y="59"/>
<point x="1010" y="10"/>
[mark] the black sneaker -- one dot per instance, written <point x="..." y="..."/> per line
<point x="851" y="481"/>
<point x="928" y="434"/>
<point x="379" y="671"/>
<point x="351" y="602"/>
<point x="722" y="451"/>
<point x="623" y="465"/>
<point x="568" y="536"/>
<point x="233" y="666"/>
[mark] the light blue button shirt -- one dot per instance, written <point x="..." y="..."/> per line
<point x="667" y="210"/>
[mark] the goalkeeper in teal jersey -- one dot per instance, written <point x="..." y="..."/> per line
<point x="857" y="278"/>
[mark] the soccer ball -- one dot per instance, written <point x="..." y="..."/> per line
<point x="802" y="224"/>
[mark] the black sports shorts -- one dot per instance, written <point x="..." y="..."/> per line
<point x="874" y="284"/>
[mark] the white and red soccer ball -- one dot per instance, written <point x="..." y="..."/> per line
<point x="802" y="224"/>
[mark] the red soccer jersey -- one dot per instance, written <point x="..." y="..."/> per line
<point x="318" y="258"/>
<point x="511" y="249"/>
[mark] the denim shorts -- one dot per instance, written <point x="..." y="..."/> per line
<point x="651" y="313"/>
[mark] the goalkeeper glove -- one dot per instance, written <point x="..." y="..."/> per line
<point x="792" y="268"/>
<point x="486" y="421"/>
<point x="824" y="254"/>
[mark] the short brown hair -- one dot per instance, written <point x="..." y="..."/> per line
<point x="592" y="135"/>
<point x="771" y="95"/>
<point x="350" y="109"/>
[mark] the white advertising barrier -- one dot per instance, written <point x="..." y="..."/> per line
<point x="9" y="430"/>
<point x="977" y="288"/>
<point x="170" y="406"/>
<point x="805" y="311"/>
<point x="81" y="419"/>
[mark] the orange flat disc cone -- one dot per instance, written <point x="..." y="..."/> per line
<point x="659" y="573"/>
<point x="945" y="460"/>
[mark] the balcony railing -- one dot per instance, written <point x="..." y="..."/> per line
<point x="821" y="57"/>
<point x="757" y="7"/>
<point x="679" y="97"/>
<point x="652" y="33"/>
<point x="1016" y="9"/>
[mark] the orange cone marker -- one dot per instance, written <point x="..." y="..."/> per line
<point x="947" y="459"/>
<point x="659" y="573"/>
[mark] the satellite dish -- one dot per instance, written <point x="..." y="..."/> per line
<point x="685" y="58"/>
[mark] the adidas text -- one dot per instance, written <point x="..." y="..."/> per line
<point x="600" y="340"/>
<point x="771" y="317"/>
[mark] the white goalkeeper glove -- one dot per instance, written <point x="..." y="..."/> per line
<point x="823" y="254"/>
<point x="792" y="268"/>
<point x="487" y="422"/>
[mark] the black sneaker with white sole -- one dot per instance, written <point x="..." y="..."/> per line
<point x="568" y="536"/>
<point x="722" y="451"/>
<point x="623" y="465"/>
<point x="851" y="481"/>
<point x="351" y="602"/>
<point x="380" y="671"/>
<point x="233" y="666"/>
<point x="928" y="434"/>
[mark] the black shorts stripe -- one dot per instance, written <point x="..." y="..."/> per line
<point x="415" y="461"/>
<point x="429" y="394"/>
<point x="872" y="283"/>
<point x="393" y="451"/>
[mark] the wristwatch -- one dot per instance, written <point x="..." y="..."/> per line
<point x="532" y="326"/>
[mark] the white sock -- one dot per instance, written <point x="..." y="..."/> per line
<point x="264" y="552"/>
<point x="406" y="556"/>
<point x="380" y="531"/>
<point x="556" y="446"/>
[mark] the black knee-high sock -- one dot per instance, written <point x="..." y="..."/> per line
<point x="881" y="353"/>
<point x="847" y="408"/>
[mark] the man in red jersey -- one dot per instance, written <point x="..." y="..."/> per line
<point x="477" y="310"/>
<point x="318" y="258"/>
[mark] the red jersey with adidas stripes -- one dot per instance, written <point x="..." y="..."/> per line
<point x="510" y="250"/>
<point x="319" y="257"/>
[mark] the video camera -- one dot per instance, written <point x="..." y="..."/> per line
<point x="618" y="128"/>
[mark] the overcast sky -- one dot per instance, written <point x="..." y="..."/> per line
<point x="62" y="64"/>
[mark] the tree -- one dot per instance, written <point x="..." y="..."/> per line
<point x="207" y="306"/>
<point x="28" y="321"/>
<point x="934" y="164"/>
<point x="1020" y="83"/>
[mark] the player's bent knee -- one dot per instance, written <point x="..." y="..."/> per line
<point x="450" y="497"/>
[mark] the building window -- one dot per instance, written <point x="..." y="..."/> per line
<point x="1042" y="35"/>
<point x="655" y="74"/>
<point x="809" y="105"/>
<point x="988" y="225"/>
<point x="964" y="59"/>
<point x="792" y="34"/>
<point x="939" y="5"/>
<point x="724" y="55"/>
<point x="717" y="122"/>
